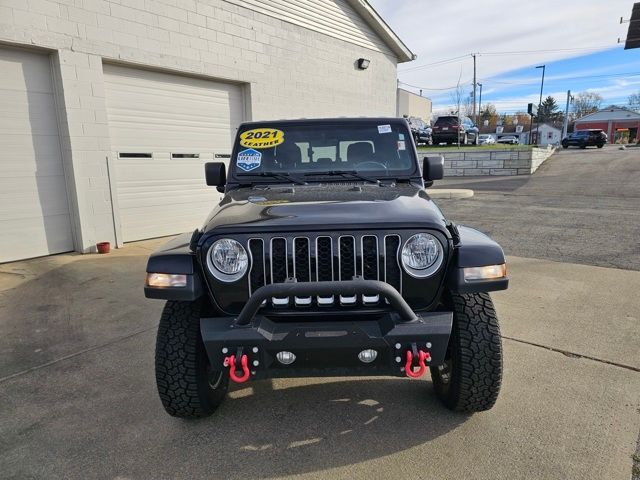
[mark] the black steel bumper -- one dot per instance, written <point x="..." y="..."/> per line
<point x="325" y="347"/>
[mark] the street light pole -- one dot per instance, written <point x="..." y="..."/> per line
<point x="539" y="104"/>
<point x="565" y="127"/>
<point x="479" y="105"/>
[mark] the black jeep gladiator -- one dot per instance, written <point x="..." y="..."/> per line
<point x="326" y="257"/>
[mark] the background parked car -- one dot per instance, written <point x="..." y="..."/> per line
<point x="451" y="129"/>
<point x="486" y="139"/>
<point x="585" y="138"/>
<point x="509" y="140"/>
<point x="420" y="130"/>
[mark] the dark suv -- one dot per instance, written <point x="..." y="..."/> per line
<point x="451" y="129"/>
<point x="326" y="257"/>
<point x="421" y="131"/>
<point x="585" y="138"/>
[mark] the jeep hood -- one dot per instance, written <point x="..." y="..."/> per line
<point x="329" y="206"/>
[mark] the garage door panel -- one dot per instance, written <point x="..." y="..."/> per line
<point x="34" y="212"/>
<point x="160" y="114"/>
<point x="34" y="237"/>
<point x="31" y="197"/>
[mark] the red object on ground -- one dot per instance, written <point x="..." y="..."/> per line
<point x="231" y="363"/>
<point x="103" y="247"/>
<point x="422" y="357"/>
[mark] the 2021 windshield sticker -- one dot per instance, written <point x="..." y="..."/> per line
<point x="248" y="160"/>
<point x="384" y="128"/>
<point x="261" y="138"/>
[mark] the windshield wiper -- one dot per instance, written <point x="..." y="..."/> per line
<point x="277" y="175"/>
<point x="344" y="173"/>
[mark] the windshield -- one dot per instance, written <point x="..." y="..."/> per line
<point x="374" y="149"/>
<point x="447" y="121"/>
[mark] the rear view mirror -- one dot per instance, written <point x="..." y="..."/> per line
<point x="432" y="169"/>
<point x="216" y="175"/>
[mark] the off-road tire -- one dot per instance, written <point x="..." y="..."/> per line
<point x="186" y="384"/>
<point x="474" y="356"/>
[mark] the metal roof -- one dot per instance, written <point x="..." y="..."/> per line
<point x="633" y="34"/>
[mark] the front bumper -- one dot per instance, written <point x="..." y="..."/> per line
<point x="327" y="347"/>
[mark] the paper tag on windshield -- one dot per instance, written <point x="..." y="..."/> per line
<point x="401" y="145"/>
<point x="384" y="128"/>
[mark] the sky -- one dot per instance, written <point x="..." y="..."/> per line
<point x="575" y="39"/>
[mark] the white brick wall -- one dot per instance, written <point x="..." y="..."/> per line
<point x="290" y="71"/>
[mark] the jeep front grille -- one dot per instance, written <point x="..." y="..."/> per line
<point x="324" y="257"/>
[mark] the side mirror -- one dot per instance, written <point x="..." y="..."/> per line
<point x="432" y="169"/>
<point x="216" y="175"/>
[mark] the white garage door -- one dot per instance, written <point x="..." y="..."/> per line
<point x="163" y="129"/>
<point x="34" y="213"/>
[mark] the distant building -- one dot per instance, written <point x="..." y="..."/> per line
<point x="409" y="104"/>
<point x="512" y="131"/>
<point x="620" y="124"/>
<point x="548" y="135"/>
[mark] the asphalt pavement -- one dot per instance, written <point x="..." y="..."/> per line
<point x="581" y="206"/>
<point x="78" y="399"/>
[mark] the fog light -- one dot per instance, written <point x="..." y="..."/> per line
<point x="367" y="356"/>
<point x="286" y="358"/>
<point x="490" y="272"/>
<point x="163" y="280"/>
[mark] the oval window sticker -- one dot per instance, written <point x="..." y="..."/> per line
<point x="261" y="138"/>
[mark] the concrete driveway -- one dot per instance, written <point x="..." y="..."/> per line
<point x="78" y="400"/>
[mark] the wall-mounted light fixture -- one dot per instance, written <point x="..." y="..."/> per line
<point x="363" y="63"/>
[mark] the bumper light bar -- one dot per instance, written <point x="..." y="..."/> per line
<point x="166" y="280"/>
<point x="489" y="272"/>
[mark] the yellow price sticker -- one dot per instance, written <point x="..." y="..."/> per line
<point x="261" y="138"/>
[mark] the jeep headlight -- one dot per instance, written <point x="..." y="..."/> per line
<point x="227" y="260"/>
<point x="422" y="255"/>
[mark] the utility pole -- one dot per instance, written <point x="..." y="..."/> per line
<point x="475" y="117"/>
<point x="479" y="105"/>
<point x="566" y="115"/>
<point x="539" y="105"/>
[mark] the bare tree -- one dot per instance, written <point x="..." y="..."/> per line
<point x="585" y="103"/>
<point x="456" y="96"/>
<point x="634" y="101"/>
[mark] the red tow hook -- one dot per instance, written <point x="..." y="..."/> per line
<point x="408" y="366"/>
<point x="231" y="363"/>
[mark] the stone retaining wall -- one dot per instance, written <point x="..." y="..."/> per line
<point x="494" y="162"/>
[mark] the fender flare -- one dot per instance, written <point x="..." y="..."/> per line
<point x="474" y="249"/>
<point x="176" y="257"/>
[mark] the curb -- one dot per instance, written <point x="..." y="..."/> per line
<point x="449" y="192"/>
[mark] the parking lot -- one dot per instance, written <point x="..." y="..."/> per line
<point x="78" y="399"/>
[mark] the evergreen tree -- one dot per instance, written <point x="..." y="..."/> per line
<point x="548" y="111"/>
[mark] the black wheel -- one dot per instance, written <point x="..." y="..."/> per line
<point x="565" y="145"/>
<point x="470" y="378"/>
<point x="600" y="145"/>
<point x="187" y="385"/>
<point x="583" y="145"/>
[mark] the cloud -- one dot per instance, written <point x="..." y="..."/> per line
<point x="442" y="30"/>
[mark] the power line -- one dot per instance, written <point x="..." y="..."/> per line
<point x="512" y="52"/>
<point x="582" y="77"/>
<point x="553" y="50"/>
<point x="440" y="62"/>
<point x="429" y="88"/>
